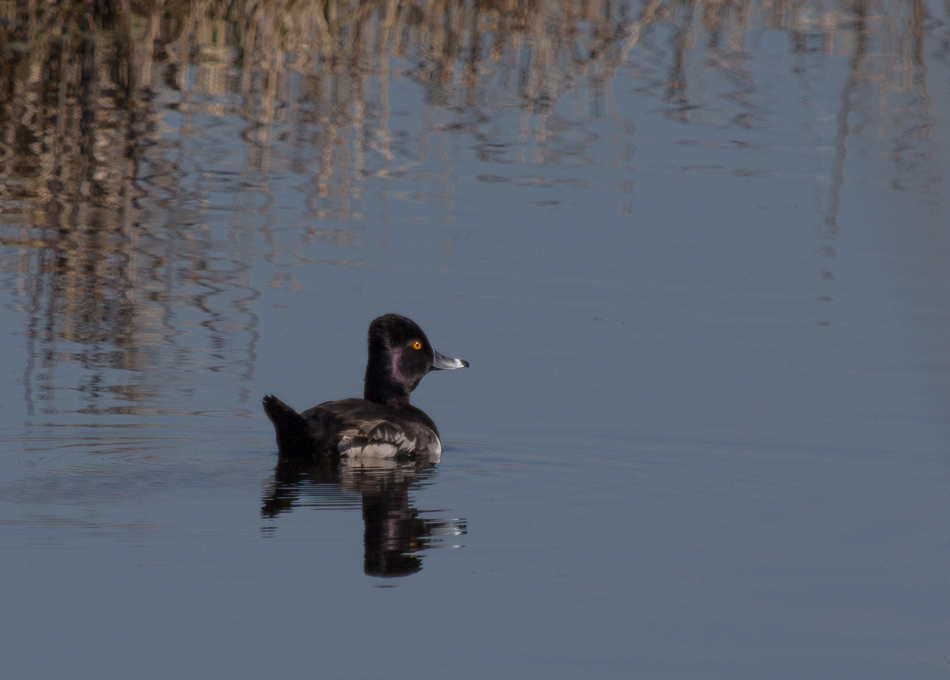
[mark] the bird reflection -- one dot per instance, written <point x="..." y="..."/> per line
<point x="394" y="534"/>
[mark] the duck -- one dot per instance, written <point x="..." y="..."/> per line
<point x="383" y="424"/>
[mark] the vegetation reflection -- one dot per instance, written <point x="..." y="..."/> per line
<point x="108" y="244"/>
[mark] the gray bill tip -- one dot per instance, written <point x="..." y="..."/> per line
<point x="441" y="362"/>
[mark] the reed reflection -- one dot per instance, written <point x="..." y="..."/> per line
<point x="131" y="135"/>
<point x="394" y="533"/>
<point x="83" y="118"/>
<point x="118" y="285"/>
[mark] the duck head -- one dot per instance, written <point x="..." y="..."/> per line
<point x="399" y="356"/>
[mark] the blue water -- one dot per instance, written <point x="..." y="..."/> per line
<point x="704" y="430"/>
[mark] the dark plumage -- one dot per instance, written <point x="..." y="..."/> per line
<point x="381" y="424"/>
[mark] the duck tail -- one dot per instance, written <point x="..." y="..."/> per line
<point x="293" y="431"/>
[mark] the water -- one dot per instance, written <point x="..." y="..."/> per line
<point x="695" y="255"/>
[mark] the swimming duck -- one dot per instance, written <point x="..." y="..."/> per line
<point x="383" y="424"/>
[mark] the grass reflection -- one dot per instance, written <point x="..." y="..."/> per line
<point x="105" y="228"/>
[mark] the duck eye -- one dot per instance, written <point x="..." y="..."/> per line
<point x="417" y="345"/>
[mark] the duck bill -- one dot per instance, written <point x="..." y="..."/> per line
<point x="440" y="362"/>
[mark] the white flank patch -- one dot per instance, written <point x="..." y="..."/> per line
<point x="368" y="450"/>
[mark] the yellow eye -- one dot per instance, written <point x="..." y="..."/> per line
<point x="417" y="345"/>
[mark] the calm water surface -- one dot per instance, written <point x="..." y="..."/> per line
<point x="697" y="257"/>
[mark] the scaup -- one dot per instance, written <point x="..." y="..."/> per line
<point x="383" y="424"/>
